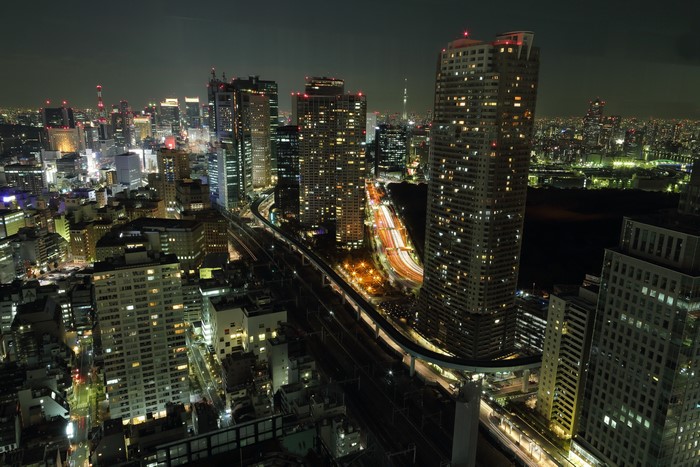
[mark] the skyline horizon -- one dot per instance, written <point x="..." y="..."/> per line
<point x="646" y="61"/>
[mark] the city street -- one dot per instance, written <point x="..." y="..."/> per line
<point x="394" y="243"/>
<point x="83" y="404"/>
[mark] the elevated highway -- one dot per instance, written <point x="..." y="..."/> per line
<point x="382" y="326"/>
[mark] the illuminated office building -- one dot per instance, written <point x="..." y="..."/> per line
<point x="392" y="150"/>
<point x="485" y="96"/>
<point x="173" y="166"/>
<point x="169" y="117"/>
<point x="193" y="116"/>
<point x="287" y="188"/>
<point x="593" y="123"/>
<point x="642" y="395"/>
<point x="129" y="173"/>
<point x="240" y="121"/>
<point x="564" y="359"/>
<point x="332" y="158"/>
<point x="31" y="178"/>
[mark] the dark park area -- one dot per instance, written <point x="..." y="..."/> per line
<point x="565" y="233"/>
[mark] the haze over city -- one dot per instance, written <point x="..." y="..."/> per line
<point x="642" y="56"/>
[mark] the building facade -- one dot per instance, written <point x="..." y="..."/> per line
<point x="564" y="359"/>
<point x="287" y="188"/>
<point x="485" y="96"/>
<point x="332" y="158"/>
<point x="140" y="313"/>
<point x="241" y="115"/>
<point x="642" y="395"/>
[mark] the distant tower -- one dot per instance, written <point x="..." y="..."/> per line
<point x="404" y="116"/>
<point x="101" y="105"/>
<point x="593" y="122"/>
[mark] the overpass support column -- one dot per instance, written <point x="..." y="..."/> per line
<point x="324" y="281"/>
<point x="376" y="331"/>
<point x="526" y="380"/>
<point x="358" y="313"/>
<point x="304" y="261"/>
<point x="412" y="367"/>
<point x="345" y="299"/>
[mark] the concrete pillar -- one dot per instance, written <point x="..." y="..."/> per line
<point x="466" y="429"/>
<point x="376" y="331"/>
<point x="413" y="366"/>
<point x="526" y="381"/>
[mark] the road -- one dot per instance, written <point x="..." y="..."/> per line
<point x="391" y="234"/>
<point x="83" y="404"/>
<point x="389" y="336"/>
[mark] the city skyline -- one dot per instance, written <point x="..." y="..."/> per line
<point x="376" y="54"/>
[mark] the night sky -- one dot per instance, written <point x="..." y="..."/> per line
<point x="642" y="57"/>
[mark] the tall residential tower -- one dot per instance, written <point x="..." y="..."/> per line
<point x="485" y="96"/>
<point x="141" y="318"/>
<point x="332" y="158"/>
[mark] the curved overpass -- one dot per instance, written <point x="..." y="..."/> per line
<point x="407" y="345"/>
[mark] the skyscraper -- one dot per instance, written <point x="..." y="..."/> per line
<point x="169" y="117"/>
<point x="240" y="114"/>
<point x="269" y="89"/>
<point x="173" y="166"/>
<point x="287" y="188"/>
<point x="564" y="360"/>
<point x="123" y="125"/>
<point x="193" y="116"/>
<point x="593" y="123"/>
<point x="332" y="158"/>
<point x="642" y="396"/>
<point x="139" y="308"/>
<point x="392" y="150"/>
<point x="485" y="96"/>
<point x="58" y="117"/>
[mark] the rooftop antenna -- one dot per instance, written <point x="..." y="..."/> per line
<point x="101" y="105"/>
<point x="405" y="98"/>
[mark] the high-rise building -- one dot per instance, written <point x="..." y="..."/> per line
<point x="253" y="84"/>
<point x="169" y="117"/>
<point x="593" y="123"/>
<point x="485" y="96"/>
<point x="371" y="127"/>
<point x="332" y="158"/>
<point x="58" y="117"/>
<point x="392" y="150"/>
<point x="240" y="121"/>
<point x="31" y="178"/>
<point x="642" y="394"/>
<point x="564" y="358"/>
<point x="142" y="128"/>
<point x="128" y="166"/>
<point x="66" y="139"/>
<point x="123" y="125"/>
<point x="173" y="166"/>
<point x="287" y="188"/>
<point x="193" y="116"/>
<point x="257" y="122"/>
<point x="139" y="308"/>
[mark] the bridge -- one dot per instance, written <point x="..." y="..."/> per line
<point x="381" y="324"/>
